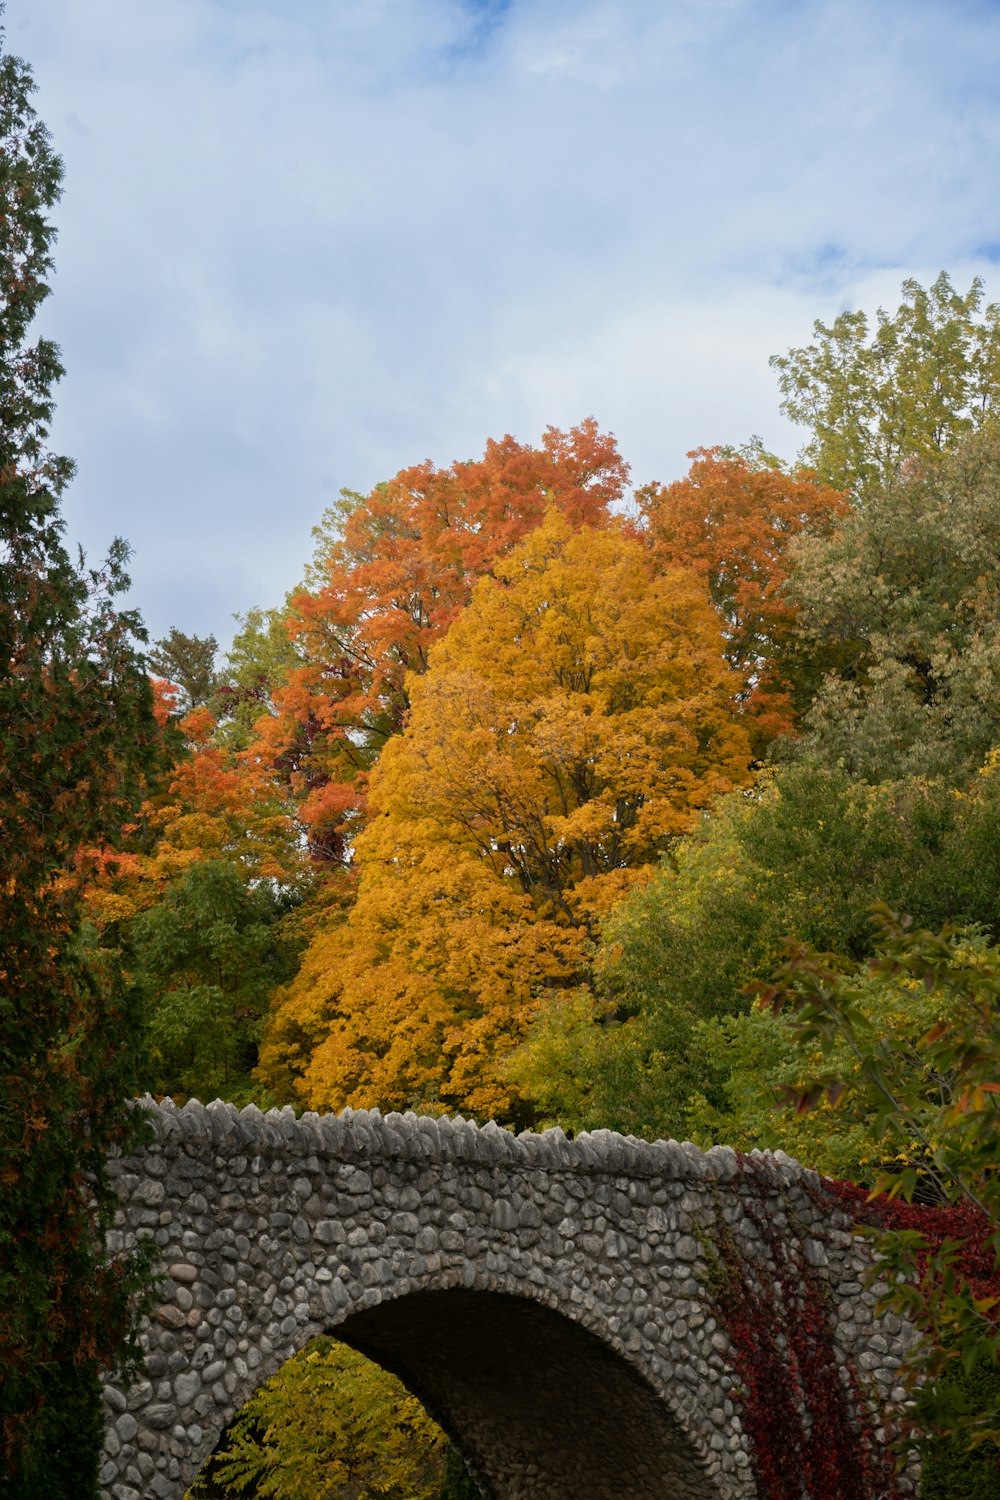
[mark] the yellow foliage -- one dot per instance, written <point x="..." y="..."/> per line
<point x="331" y="1425"/>
<point x="419" y="995"/>
<point x="573" y="721"/>
<point x="575" y="718"/>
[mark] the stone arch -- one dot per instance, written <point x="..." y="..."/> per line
<point x="540" y="1398"/>
<point x="536" y="1403"/>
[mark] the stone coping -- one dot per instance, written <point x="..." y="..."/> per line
<point x="413" y="1137"/>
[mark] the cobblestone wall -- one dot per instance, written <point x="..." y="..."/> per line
<point x="544" y="1297"/>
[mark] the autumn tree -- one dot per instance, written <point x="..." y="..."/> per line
<point x="733" y="519"/>
<point x="207" y="802"/>
<point x="218" y="803"/>
<point x="331" y="1425"/>
<point x="904" y="392"/>
<point x="76" y="736"/>
<point x="571" y="723"/>
<point x="393" y="570"/>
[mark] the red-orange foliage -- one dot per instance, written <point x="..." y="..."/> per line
<point x="733" y="523"/>
<point x="812" y="1430"/>
<point x="211" y="803"/>
<point x="398" y="570"/>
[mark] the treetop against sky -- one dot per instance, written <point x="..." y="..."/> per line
<point x="302" y="247"/>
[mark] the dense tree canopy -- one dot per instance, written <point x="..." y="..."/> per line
<point x="668" y="1047"/>
<point x="507" y="809"/>
<point x="899" y="622"/>
<point x="205" y="957"/>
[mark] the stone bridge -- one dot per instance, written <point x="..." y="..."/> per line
<point x="545" y="1298"/>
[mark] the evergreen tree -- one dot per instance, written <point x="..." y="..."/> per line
<point x="76" y="736"/>
<point x="188" y="661"/>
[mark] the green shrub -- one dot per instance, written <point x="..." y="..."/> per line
<point x="68" y="1439"/>
<point x="950" y="1470"/>
<point x="458" y="1484"/>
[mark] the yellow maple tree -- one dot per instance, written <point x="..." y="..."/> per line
<point x="573" y="721"/>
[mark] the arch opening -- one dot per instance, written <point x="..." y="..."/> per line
<point x="330" y="1422"/>
<point x="537" y="1405"/>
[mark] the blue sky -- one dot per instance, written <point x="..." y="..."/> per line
<point x="304" y="243"/>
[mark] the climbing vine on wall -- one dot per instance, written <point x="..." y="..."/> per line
<point x="937" y="1258"/>
<point x="812" y="1431"/>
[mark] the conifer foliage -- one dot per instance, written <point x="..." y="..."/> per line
<point x="76" y="736"/>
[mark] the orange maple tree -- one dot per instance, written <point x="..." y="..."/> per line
<point x="733" y="521"/>
<point x="572" y="722"/>
<point x="212" y="803"/>
<point x="394" y="569"/>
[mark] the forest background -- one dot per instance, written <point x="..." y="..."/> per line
<point x="506" y="811"/>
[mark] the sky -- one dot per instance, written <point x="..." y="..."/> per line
<point x="306" y="243"/>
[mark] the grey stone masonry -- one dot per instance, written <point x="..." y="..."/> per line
<point x="545" y="1298"/>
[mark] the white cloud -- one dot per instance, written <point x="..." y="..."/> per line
<point x="304" y="244"/>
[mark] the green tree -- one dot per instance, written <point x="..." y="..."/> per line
<point x="76" y="735"/>
<point x="206" y="956"/>
<point x="665" y="1046"/>
<point x="257" y="665"/>
<point x="935" y="1098"/>
<point x="331" y="1425"/>
<point x="188" y="661"/>
<point x="899" y="623"/>
<point x="766" y="1065"/>
<point x="907" y="391"/>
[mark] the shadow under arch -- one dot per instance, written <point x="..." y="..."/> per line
<point x="536" y="1404"/>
